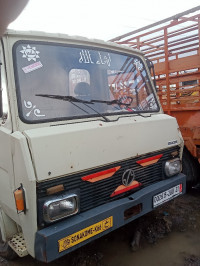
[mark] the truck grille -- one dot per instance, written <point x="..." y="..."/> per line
<point x="95" y="194"/>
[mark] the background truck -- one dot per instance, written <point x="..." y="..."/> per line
<point x="173" y="46"/>
<point x="85" y="146"/>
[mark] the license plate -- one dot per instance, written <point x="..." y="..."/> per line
<point x="84" y="234"/>
<point x="167" y="195"/>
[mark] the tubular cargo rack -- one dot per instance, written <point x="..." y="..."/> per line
<point x="173" y="46"/>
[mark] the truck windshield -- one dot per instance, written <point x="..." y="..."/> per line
<point x="58" y="82"/>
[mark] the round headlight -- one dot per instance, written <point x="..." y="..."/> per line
<point x="173" y="167"/>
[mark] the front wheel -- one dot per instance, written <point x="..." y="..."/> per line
<point x="190" y="169"/>
<point x="5" y="250"/>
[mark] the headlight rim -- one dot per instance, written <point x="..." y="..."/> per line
<point x="58" y="198"/>
<point x="167" y="163"/>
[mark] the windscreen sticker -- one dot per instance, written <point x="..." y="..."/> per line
<point x="32" y="109"/>
<point x="104" y="59"/>
<point x="30" y="53"/>
<point x="101" y="59"/>
<point x="32" y="67"/>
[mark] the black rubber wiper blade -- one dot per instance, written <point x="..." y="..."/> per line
<point x="72" y="100"/>
<point x="64" y="98"/>
<point x="119" y="102"/>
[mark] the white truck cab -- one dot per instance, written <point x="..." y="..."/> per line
<point x="85" y="146"/>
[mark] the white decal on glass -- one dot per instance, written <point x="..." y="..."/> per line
<point x="104" y="59"/>
<point x="30" y="53"/>
<point x="86" y="58"/>
<point x="33" y="109"/>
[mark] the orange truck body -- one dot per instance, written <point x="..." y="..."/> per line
<point x="173" y="46"/>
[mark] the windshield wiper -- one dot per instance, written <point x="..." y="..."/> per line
<point x="119" y="102"/>
<point x="64" y="98"/>
<point x="72" y="100"/>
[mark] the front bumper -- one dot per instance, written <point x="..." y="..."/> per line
<point x="47" y="239"/>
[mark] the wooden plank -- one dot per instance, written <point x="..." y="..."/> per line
<point x="186" y="63"/>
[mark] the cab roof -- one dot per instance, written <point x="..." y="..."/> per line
<point x="65" y="38"/>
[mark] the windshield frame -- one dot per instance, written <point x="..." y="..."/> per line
<point x="83" y="116"/>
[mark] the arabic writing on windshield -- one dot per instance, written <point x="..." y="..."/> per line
<point x="92" y="75"/>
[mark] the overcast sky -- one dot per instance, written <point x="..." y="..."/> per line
<point x="103" y="19"/>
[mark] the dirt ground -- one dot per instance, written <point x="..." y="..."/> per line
<point x="170" y="235"/>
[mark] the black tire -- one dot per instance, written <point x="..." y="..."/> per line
<point x="190" y="169"/>
<point x="5" y="250"/>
